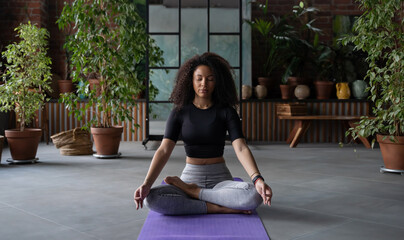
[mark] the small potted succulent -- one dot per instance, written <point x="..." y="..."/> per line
<point x="26" y="78"/>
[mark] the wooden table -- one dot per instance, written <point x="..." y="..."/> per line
<point x="302" y="123"/>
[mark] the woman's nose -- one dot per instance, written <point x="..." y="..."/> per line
<point x="203" y="82"/>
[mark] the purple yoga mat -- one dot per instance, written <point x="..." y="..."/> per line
<point x="205" y="226"/>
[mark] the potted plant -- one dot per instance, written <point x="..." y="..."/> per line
<point x="300" y="45"/>
<point x="66" y="84"/>
<point x="26" y="80"/>
<point x="272" y="31"/>
<point x="379" y="33"/>
<point x="324" y="59"/>
<point x="111" y="41"/>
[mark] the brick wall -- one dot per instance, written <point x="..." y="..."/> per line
<point x="42" y="12"/>
<point x="328" y="9"/>
<point x="46" y="12"/>
<point x="57" y="52"/>
<point x="14" y="12"/>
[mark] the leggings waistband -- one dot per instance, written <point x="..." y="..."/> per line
<point x="210" y="169"/>
<point x="206" y="176"/>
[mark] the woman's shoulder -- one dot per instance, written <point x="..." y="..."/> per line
<point x="180" y="111"/>
<point x="226" y="108"/>
<point x="227" y="111"/>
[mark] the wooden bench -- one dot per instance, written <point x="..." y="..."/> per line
<point x="302" y="123"/>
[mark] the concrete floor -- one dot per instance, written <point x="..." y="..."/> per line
<point x="321" y="191"/>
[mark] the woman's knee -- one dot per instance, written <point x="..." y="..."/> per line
<point x="158" y="197"/>
<point x="249" y="198"/>
<point x="252" y="199"/>
<point x="152" y="199"/>
<point x="166" y="200"/>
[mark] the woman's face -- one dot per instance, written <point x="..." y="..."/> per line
<point x="203" y="82"/>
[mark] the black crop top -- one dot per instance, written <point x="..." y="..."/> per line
<point x="203" y="130"/>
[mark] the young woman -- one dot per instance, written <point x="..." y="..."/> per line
<point x="205" y="99"/>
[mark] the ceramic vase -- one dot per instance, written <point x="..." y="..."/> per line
<point x="359" y="89"/>
<point x="293" y="82"/>
<point x="267" y="82"/>
<point x="246" y="92"/>
<point x="260" y="91"/>
<point x="343" y="91"/>
<point x="302" y="91"/>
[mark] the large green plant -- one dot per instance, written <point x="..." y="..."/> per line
<point x="273" y="31"/>
<point x="109" y="39"/>
<point x="301" y="46"/>
<point x="379" y="32"/>
<point x="27" y="74"/>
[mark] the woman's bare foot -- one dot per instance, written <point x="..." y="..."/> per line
<point x="213" y="208"/>
<point x="190" y="189"/>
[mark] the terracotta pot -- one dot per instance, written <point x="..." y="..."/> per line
<point x="392" y="152"/>
<point x="302" y="91"/>
<point x="1" y="145"/>
<point x="95" y="84"/>
<point x="246" y="91"/>
<point x="343" y="91"/>
<point x="266" y="81"/>
<point x="285" y="91"/>
<point x="323" y="89"/>
<point x="65" y="86"/>
<point x="107" y="140"/>
<point x="260" y="91"/>
<point x="23" y="145"/>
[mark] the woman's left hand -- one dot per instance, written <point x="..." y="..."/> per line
<point x="265" y="191"/>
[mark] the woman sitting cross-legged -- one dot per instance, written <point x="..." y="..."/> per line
<point x="205" y="99"/>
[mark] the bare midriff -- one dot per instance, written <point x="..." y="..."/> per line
<point x="204" y="161"/>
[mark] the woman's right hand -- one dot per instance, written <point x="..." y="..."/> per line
<point x="140" y="194"/>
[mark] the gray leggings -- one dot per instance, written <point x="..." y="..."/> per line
<point x="217" y="186"/>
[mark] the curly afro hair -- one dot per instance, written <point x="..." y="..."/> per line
<point x="224" y="94"/>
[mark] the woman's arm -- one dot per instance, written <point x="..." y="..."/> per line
<point x="157" y="164"/>
<point x="246" y="159"/>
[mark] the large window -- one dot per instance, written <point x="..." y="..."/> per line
<point x="183" y="28"/>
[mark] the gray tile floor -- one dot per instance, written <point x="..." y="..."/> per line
<point x="321" y="191"/>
